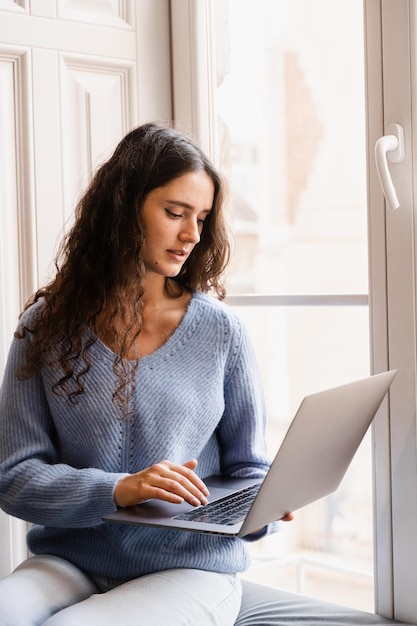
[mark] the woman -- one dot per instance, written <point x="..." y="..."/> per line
<point x="127" y="381"/>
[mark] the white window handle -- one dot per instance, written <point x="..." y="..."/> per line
<point x="389" y="147"/>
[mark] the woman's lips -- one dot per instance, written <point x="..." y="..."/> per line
<point x="180" y="255"/>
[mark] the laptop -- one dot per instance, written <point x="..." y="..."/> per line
<point x="310" y="464"/>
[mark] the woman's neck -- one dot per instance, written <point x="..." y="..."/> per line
<point x="157" y="296"/>
<point x="161" y="315"/>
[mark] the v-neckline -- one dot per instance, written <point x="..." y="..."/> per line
<point x="178" y="331"/>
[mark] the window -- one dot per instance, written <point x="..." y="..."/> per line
<point x="287" y="126"/>
<point x="291" y="137"/>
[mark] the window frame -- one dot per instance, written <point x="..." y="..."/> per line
<point x="392" y="82"/>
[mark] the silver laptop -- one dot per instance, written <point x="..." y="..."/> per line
<point x="310" y="463"/>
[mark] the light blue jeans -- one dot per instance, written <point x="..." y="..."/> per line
<point x="49" y="591"/>
<point x="43" y="586"/>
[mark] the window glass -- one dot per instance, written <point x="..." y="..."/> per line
<point x="327" y="551"/>
<point x="291" y="131"/>
<point x="290" y="116"/>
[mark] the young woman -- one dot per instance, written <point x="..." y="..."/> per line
<point x="127" y="381"/>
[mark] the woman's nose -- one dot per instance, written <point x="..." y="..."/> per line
<point x="191" y="232"/>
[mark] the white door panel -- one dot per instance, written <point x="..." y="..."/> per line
<point x="97" y="104"/>
<point x="82" y="106"/>
<point x="117" y="13"/>
<point x="46" y="139"/>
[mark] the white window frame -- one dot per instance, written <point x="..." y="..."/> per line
<point x="392" y="78"/>
<point x="193" y="70"/>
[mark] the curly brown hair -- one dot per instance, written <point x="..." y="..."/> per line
<point x="99" y="266"/>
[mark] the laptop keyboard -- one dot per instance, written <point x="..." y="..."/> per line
<point x="228" y="510"/>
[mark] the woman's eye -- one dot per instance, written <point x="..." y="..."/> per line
<point x="172" y="214"/>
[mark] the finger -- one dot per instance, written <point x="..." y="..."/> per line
<point x="177" y="480"/>
<point x="192" y="464"/>
<point x="187" y="477"/>
<point x="187" y="484"/>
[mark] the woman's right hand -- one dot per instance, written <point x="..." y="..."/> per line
<point x="165" y="481"/>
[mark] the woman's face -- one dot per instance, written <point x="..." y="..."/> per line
<point x="173" y="219"/>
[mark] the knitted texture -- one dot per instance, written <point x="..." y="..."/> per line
<point x="198" y="396"/>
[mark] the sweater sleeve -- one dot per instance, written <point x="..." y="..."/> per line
<point x="242" y="428"/>
<point x="34" y="484"/>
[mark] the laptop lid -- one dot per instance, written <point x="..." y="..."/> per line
<point x="318" y="448"/>
<point x="310" y="463"/>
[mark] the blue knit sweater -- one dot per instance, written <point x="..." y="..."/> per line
<point x="198" y="396"/>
